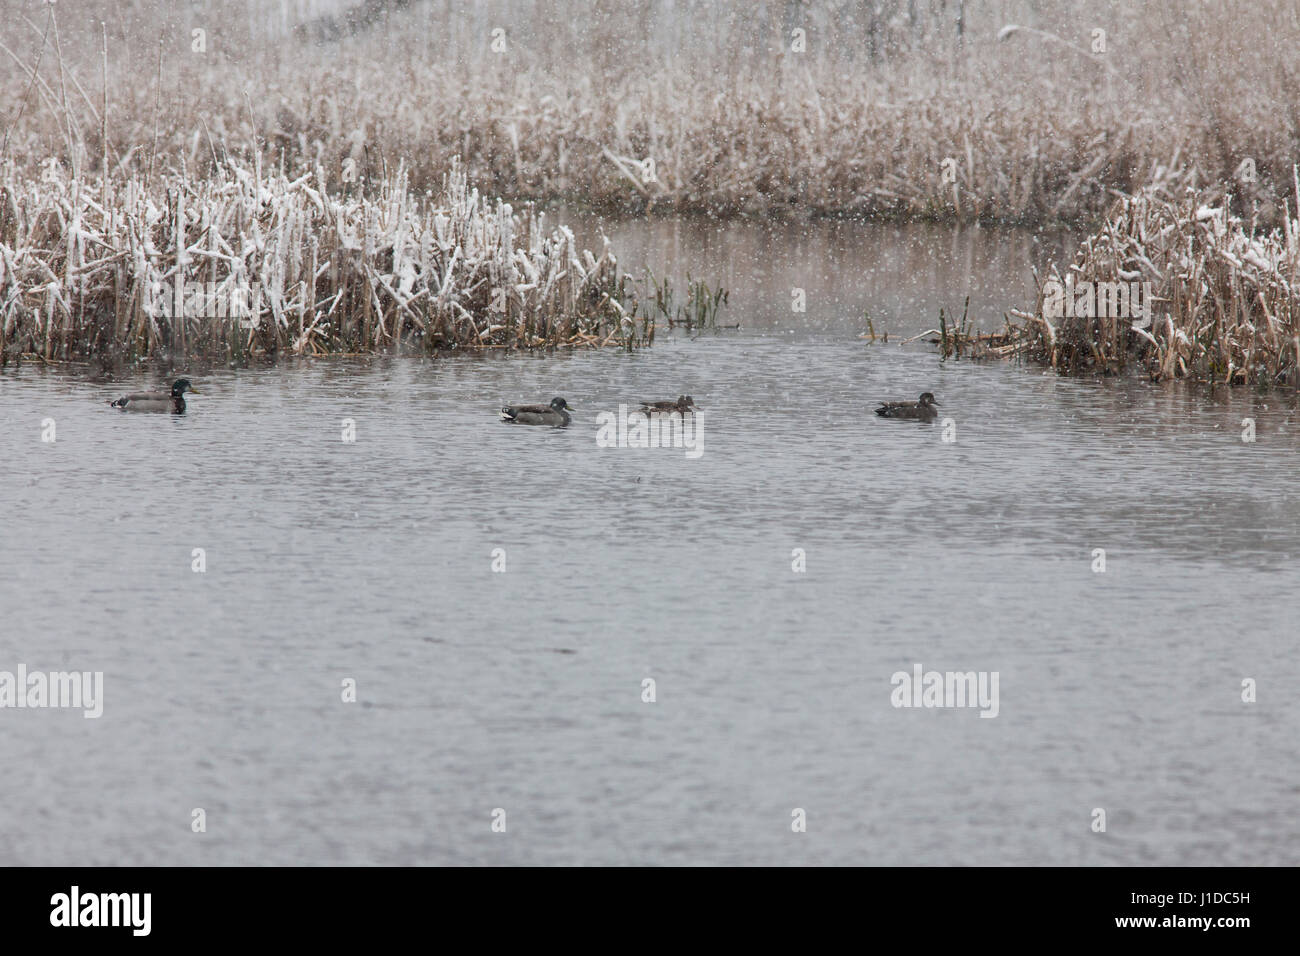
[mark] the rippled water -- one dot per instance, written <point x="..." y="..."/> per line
<point x="522" y="690"/>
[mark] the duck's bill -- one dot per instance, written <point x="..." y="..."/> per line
<point x="194" y="391"/>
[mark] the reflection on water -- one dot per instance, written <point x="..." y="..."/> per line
<point x="900" y="275"/>
<point x="522" y="690"/>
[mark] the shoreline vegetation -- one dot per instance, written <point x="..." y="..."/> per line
<point x="246" y="263"/>
<point x="1223" y="305"/>
<point x="1015" y="111"/>
<point x="316" y="156"/>
<point x="1175" y="288"/>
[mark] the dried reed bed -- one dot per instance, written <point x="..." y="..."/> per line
<point x="890" y="112"/>
<point x="1226" y="300"/>
<point x="246" y="262"/>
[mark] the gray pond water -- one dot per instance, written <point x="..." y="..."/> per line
<point x="522" y="689"/>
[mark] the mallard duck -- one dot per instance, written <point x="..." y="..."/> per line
<point x="552" y="414"/>
<point x="923" y="410"/>
<point x="683" y="404"/>
<point x="157" y="401"/>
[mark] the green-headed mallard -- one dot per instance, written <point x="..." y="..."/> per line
<point x="552" y="414"/>
<point x="683" y="404"/>
<point x="173" y="401"/>
<point x="923" y="410"/>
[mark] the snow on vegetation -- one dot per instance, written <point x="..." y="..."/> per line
<point x="244" y="262"/>
<point x="1223" y="304"/>
<point x="1016" y="111"/>
<point x="137" y="216"/>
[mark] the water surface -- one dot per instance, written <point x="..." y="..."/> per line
<point x="522" y="690"/>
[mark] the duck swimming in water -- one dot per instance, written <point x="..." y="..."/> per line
<point x="555" y="414"/>
<point x="683" y="404"/>
<point x="922" y="410"/>
<point x="157" y="401"/>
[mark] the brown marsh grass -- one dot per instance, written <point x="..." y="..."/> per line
<point x="1225" y="304"/>
<point x="896" y="108"/>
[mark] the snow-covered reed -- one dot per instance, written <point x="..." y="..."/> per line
<point x="1225" y="299"/>
<point x="247" y="261"/>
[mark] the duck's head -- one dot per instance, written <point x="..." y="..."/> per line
<point x="560" y="405"/>
<point x="685" y="401"/>
<point x="927" y="398"/>
<point x="181" y="386"/>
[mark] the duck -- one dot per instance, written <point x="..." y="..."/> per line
<point x="555" y="414"/>
<point x="922" y="410"/>
<point x="683" y="404"/>
<point x="173" y="401"/>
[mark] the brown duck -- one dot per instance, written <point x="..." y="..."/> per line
<point x="555" y="414"/>
<point x="683" y="404"/>
<point x="922" y="410"/>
